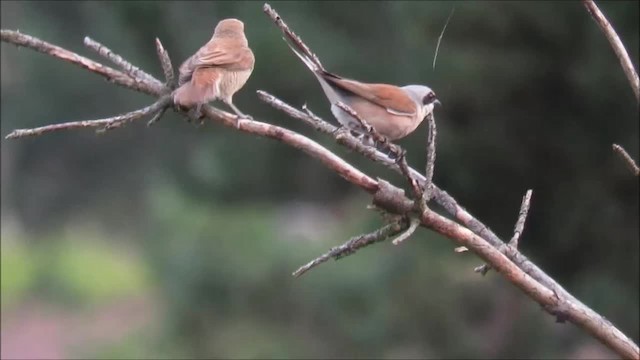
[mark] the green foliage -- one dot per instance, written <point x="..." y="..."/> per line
<point x="18" y="273"/>
<point x="77" y="268"/>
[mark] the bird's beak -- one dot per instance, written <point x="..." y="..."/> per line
<point x="437" y="102"/>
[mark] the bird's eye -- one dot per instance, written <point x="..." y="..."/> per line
<point x="429" y="98"/>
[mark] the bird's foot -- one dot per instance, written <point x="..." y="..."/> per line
<point x="195" y="115"/>
<point x="240" y="118"/>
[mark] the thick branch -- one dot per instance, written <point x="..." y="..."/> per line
<point x="439" y="196"/>
<point x="390" y="197"/>
<point x="582" y="315"/>
<point x="616" y="44"/>
<point x="312" y="148"/>
<point x="110" y="74"/>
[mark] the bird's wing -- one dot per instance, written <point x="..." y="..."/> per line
<point x="225" y="56"/>
<point x="216" y="54"/>
<point x="390" y="97"/>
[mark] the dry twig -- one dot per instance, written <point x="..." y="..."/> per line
<point x="522" y="217"/>
<point x="353" y="245"/>
<point x="117" y="60"/>
<point x="414" y="222"/>
<point x="431" y="160"/>
<point x="108" y="73"/>
<point x="104" y="124"/>
<point x="435" y="54"/>
<point x="616" y="44"/>
<point x="167" y="68"/>
<point x="624" y="155"/>
<point x="517" y="231"/>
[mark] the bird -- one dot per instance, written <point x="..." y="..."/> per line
<point x="217" y="70"/>
<point x="393" y="112"/>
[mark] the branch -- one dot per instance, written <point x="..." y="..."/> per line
<point x="105" y="124"/>
<point x="616" y="44"/>
<point x="291" y="138"/>
<point x="110" y="74"/>
<point x="431" y="159"/>
<point x="126" y="66"/>
<point x="390" y="197"/>
<point x="290" y="34"/>
<point x="624" y="155"/>
<point x="413" y="225"/>
<point x="353" y="245"/>
<point x="517" y="231"/>
<point x="167" y="68"/>
<point x="377" y="138"/>
<point x="522" y="217"/>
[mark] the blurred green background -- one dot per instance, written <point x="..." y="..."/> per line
<point x="177" y="241"/>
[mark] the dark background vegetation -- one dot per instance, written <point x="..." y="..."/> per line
<point x="177" y="241"/>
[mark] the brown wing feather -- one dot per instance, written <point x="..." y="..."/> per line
<point x="218" y="54"/>
<point x="225" y="55"/>
<point x="388" y="96"/>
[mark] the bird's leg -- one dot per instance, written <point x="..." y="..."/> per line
<point x="240" y="114"/>
<point x="195" y="115"/>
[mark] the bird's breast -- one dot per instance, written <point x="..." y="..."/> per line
<point x="232" y="81"/>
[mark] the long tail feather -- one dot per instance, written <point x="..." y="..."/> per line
<point x="301" y="50"/>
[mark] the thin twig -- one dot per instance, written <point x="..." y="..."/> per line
<point x="126" y="66"/>
<point x="167" y="68"/>
<point x="624" y="155"/>
<point x="156" y="117"/>
<point x="517" y="231"/>
<point x="365" y="125"/>
<point x="108" y="123"/>
<point x="112" y="75"/>
<point x="371" y="131"/>
<point x="406" y="171"/>
<point x="616" y="44"/>
<point x="435" y="55"/>
<point x="290" y="34"/>
<point x="353" y="245"/>
<point x="414" y="222"/>
<point x="522" y="217"/>
<point x="431" y="159"/>
<point x="482" y="269"/>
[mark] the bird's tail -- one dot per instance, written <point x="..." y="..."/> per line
<point x="302" y="51"/>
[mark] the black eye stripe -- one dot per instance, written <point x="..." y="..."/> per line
<point x="430" y="97"/>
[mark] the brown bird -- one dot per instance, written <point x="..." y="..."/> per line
<point x="394" y="112"/>
<point x="217" y="70"/>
